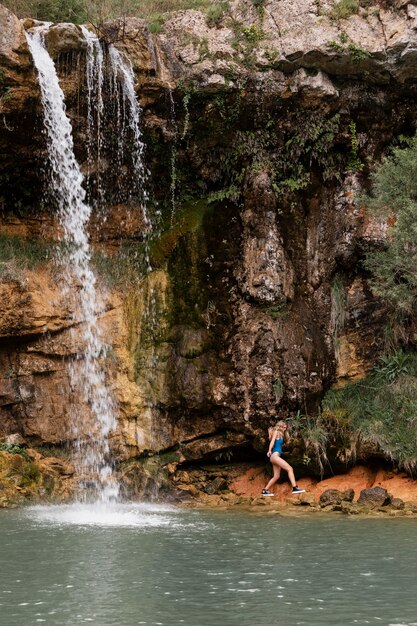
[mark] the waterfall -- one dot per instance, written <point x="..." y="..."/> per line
<point x="95" y="109"/>
<point x="116" y="87"/>
<point x="122" y="71"/>
<point x="87" y="374"/>
<point x="128" y="117"/>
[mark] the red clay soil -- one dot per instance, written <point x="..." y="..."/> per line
<point x="399" y="485"/>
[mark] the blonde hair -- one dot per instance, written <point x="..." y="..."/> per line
<point x="278" y="428"/>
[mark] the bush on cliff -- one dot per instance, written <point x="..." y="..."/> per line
<point x="380" y="410"/>
<point x="394" y="195"/>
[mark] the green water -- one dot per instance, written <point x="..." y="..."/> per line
<point x="154" y="565"/>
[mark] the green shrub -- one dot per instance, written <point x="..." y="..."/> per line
<point x="382" y="409"/>
<point x="156" y="22"/>
<point x="344" y="9"/>
<point x="315" y="436"/>
<point x="215" y="13"/>
<point x="394" y="196"/>
<point x="13" y="449"/>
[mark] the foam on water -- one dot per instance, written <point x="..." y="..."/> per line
<point x="103" y="515"/>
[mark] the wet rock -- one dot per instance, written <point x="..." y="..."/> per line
<point x="183" y="477"/>
<point x="267" y="274"/>
<point x="349" y="508"/>
<point x="411" y="507"/>
<point x="333" y="497"/>
<point x="216" y="485"/>
<point x="65" y="38"/>
<point x="397" y="503"/>
<point x="189" y="489"/>
<point x="220" y="443"/>
<point x="59" y="466"/>
<point x="307" y="499"/>
<point x="191" y="342"/>
<point x="374" y="497"/>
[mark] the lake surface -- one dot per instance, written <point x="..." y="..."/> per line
<point x="156" y="565"/>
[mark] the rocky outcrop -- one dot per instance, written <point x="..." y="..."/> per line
<point x="286" y="36"/>
<point x="332" y="497"/>
<point x="259" y="132"/>
<point x="374" y="497"/>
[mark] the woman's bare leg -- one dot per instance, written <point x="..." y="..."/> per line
<point x="277" y="472"/>
<point x="285" y="466"/>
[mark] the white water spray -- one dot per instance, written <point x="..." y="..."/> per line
<point x="87" y="375"/>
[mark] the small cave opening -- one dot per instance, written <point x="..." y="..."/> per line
<point x="229" y="456"/>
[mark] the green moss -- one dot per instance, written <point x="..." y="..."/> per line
<point x="277" y="311"/>
<point x="127" y="267"/>
<point x="165" y="458"/>
<point x="188" y="218"/>
<point x="18" y="253"/>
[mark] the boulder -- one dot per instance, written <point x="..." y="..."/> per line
<point x="307" y="499"/>
<point x="65" y="38"/>
<point x="397" y="504"/>
<point x="335" y="497"/>
<point x="314" y="88"/>
<point x="12" y="39"/>
<point x="15" y="439"/>
<point x="374" y="497"/>
<point x="215" y="486"/>
<point x="349" y="508"/>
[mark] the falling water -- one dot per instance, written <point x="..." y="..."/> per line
<point x="128" y="117"/>
<point x="66" y="181"/>
<point x="95" y="109"/>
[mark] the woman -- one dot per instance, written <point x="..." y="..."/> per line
<point x="277" y="435"/>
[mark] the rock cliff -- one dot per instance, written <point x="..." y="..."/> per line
<point x="259" y="130"/>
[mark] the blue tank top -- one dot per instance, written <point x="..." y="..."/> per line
<point x="278" y="446"/>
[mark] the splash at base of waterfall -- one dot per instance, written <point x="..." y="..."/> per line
<point x="137" y="515"/>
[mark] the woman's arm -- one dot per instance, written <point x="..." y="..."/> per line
<point x="271" y="442"/>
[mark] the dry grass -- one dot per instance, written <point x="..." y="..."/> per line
<point x="100" y="10"/>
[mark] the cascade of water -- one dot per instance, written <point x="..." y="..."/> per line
<point x="129" y="113"/>
<point x="95" y="107"/>
<point x="66" y="182"/>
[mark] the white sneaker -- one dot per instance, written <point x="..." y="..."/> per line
<point x="265" y="492"/>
